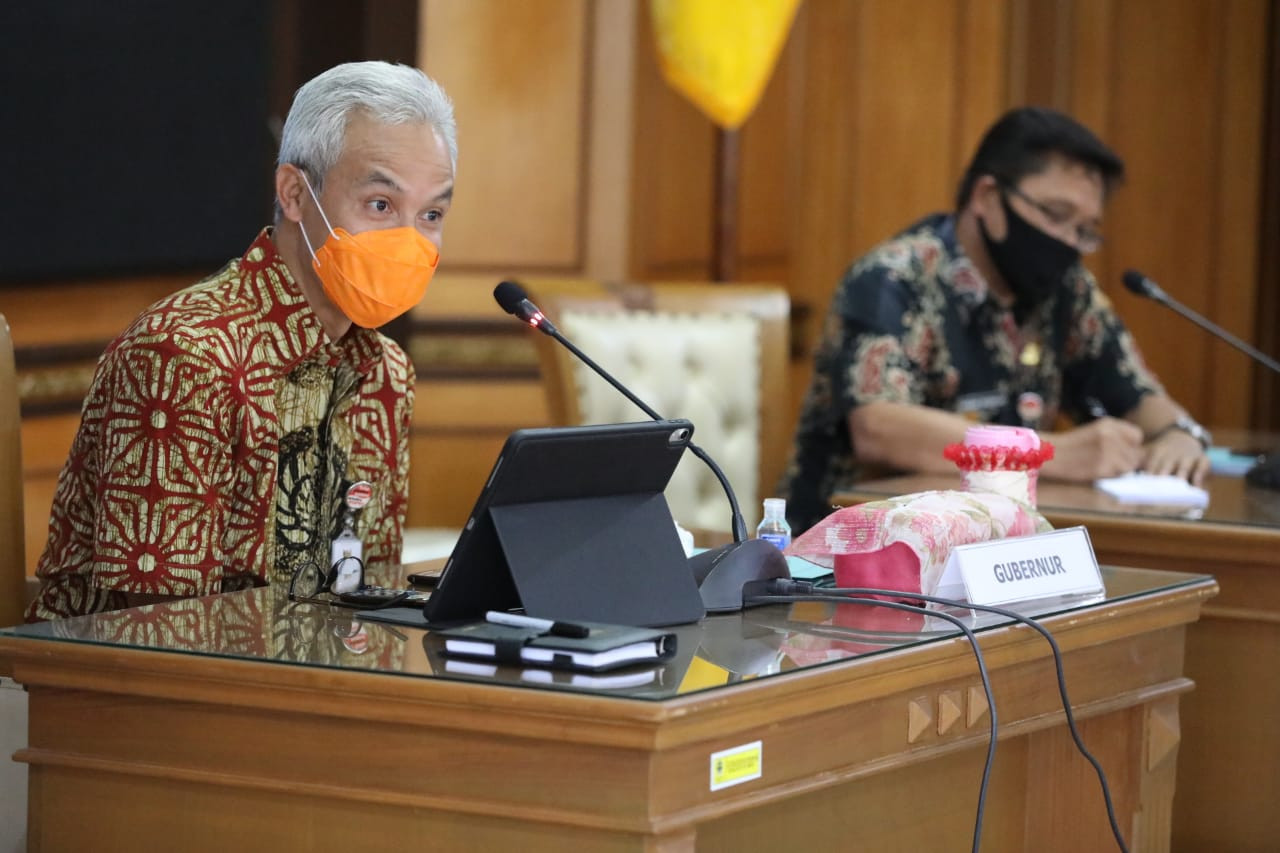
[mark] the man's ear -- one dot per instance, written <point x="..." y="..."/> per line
<point x="291" y="191"/>
<point x="986" y="193"/>
<point x="984" y="203"/>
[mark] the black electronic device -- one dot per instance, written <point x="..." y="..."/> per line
<point x="660" y="681"/>
<point x="600" y="648"/>
<point x="1266" y="473"/>
<point x="728" y="577"/>
<point x="572" y="525"/>
<point x="382" y="596"/>
<point x="714" y="571"/>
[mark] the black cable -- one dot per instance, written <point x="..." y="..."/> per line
<point x="805" y="588"/>
<point x="1062" y="687"/>
<point x="977" y="653"/>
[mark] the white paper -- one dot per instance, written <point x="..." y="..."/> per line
<point x="644" y="651"/>
<point x="1164" y="489"/>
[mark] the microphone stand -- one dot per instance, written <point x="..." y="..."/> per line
<point x="729" y="577"/>
<point x="1266" y="472"/>
<point x="1213" y="328"/>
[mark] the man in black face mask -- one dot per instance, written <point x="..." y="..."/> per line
<point x="987" y="316"/>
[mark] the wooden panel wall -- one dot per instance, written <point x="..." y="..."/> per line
<point x="523" y="78"/>
<point x="864" y="127"/>
<point x="895" y="97"/>
<point x="517" y="76"/>
<point x="477" y="381"/>
<point x="576" y="159"/>
<point x="908" y="94"/>
<point x="672" y="175"/>
<point x="877" y="106"/>
<point x="1177" y="87"/>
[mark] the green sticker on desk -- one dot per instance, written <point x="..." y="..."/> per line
<point x="800" y="568"/>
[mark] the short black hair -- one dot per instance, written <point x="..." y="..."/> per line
<point x="1021" y="142"/>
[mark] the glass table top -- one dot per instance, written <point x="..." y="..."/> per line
<point x="263" y="625"/>
<point x="1232" y="501"/>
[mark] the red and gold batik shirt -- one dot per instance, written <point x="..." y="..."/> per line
<point x="216" y="444"/>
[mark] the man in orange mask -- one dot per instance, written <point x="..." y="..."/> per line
<point x="241" y="426"/>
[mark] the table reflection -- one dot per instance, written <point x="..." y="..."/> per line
<point x="1231" y="500"/>
<point x="257" y="623"/>
<point x="264" y="625"/>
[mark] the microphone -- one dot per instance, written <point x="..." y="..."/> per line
<point x="514" y="300"/>
<point x="1267" y="471"/>
<point x="722" y="573"/>
<point x="1138" y="283"/>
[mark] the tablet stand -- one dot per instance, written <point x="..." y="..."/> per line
<point x="611" y="559"/>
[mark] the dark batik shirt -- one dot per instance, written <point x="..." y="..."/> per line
<point x="913" y="322"/>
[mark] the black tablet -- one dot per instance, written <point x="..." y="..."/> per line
<point x="572" y="524"/>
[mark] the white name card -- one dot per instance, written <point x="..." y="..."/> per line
<point x="1002" y="571"/>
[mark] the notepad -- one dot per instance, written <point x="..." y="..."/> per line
<point x="607" y="680"/>
<point x="1161" y="489"/>
<point x="606" y="647"/>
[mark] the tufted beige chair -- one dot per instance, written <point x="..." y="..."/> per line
<point x="713" y="353"/>
<point x="13" y="561"/>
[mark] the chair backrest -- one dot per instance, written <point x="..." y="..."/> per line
<point x="13" y="558"/>
<point x="713" y="353"/>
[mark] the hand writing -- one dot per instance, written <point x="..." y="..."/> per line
<point x="1176" y="452"/>
<point x="1106" y="447"/>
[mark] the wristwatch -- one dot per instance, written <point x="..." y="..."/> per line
<point x="1190" y="427"/>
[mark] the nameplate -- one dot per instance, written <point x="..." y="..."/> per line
<point x="1002" y="571"/>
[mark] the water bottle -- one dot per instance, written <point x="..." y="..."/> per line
<point x="774" y="528"/>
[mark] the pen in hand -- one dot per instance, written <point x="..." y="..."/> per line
<point x="546" y="626"/>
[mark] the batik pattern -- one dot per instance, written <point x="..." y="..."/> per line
<point x="172" y="486"/>
<point x="913" y="322"/>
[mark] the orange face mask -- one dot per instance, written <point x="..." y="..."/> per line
<point x="373" y="276"/>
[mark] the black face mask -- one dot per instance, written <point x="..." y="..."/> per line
<point x="1032" y="262"/>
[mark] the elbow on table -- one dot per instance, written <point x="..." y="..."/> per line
<point x="902" y="438"/>
<point x="873" y="438"/>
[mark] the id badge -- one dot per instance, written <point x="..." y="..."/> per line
<point x="347" y="551"/>
<point x="980" y="406"/>
<point x="347" y="544"/>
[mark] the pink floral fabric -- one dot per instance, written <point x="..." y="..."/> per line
<point x="903" y="543"/>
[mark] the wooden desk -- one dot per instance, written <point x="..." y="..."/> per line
<point x="246" y="722"/>
<point x="1228" y="766"/>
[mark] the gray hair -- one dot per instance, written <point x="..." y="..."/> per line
<point x="315" y="131"/>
